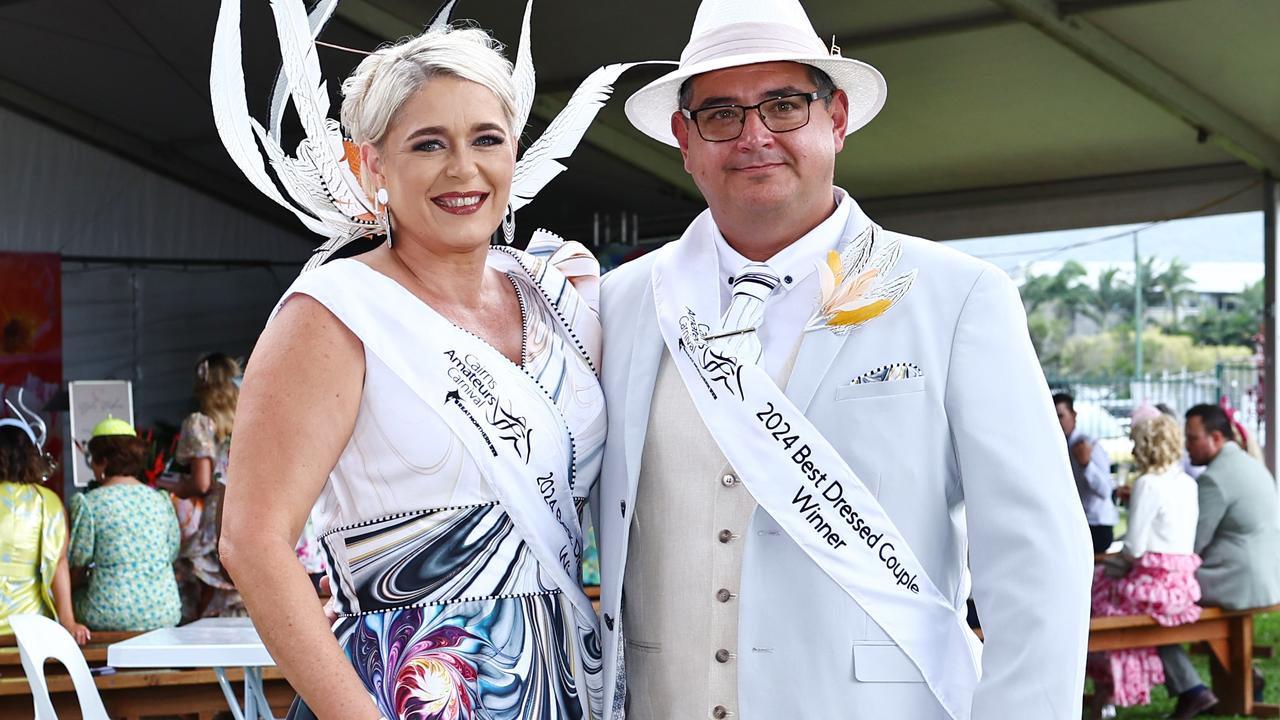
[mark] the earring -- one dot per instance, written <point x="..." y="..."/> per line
<point x="509" y="225"/>
<point x="381" y="198"/>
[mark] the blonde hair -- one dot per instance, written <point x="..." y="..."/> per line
<point x="217" y="392"/>
<point x="1157" y="443"/>
<point x="384" y="80"/>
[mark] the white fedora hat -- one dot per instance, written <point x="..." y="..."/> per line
<point x="729" y="33"/>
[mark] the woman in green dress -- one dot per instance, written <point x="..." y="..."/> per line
<point x="127" y="534"/>
<point x="34" y="578"/>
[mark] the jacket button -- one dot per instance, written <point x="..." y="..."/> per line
<point x="719" y="712"/>
<point x="722" y="656"/>
<point x="723" y="595"/>
<point x="725" y="536"/>
<point x="729" y="480"/>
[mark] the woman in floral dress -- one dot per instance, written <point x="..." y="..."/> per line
<point x="126" y="533"/>
<point x="205" y="446"/>
<point x="1155" y="573"/>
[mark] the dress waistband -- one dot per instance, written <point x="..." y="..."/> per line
<point x="430" y="557"/>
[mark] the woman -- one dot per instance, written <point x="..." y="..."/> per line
<point x="436" y="400"/>
<point x="1155" y="573"/>
<point x="205" y="446"/>
<point x="127" y="534"/>
<point x="34" y="576"/>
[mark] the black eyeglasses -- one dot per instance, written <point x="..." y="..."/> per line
<point x="720" y="123"/>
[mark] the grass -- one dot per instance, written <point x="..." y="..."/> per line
<point x="1266" y="631"/>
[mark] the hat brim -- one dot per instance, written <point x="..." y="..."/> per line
<point x="650" y="108"/>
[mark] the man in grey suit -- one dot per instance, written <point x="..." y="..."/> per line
<point x="1237" y="537"/>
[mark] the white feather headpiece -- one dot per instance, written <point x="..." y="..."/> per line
<point x="26" y="421"/>
<point x="322" y="177"/>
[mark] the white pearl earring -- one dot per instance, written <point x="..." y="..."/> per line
<point x="381" y="196"/>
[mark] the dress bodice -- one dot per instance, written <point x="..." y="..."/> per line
<point x="402" y="456"/>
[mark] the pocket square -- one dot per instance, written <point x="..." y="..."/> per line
<point x="889" y="373"/>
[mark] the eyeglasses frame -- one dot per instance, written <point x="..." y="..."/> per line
<point x="812" y="97"/>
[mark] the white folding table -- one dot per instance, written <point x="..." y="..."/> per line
<point x="217" y="643"/>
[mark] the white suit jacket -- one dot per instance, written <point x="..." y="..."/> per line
<point x="967" y="459"/>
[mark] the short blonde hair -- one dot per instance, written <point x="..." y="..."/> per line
<point x="384" y="80"/>
<point x="1157" y="443"/>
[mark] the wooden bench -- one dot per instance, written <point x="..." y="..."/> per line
<point x="1228" y="635"/>
<point x="134" y="694"/>
<point x="95" y="652"/>
<point x="130" y="693"/>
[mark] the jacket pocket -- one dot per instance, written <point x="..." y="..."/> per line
<point x="878" y="661"/>
<point x="852" y="391"/>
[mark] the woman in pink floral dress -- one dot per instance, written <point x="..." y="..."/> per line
<point x="1155" y="573"/>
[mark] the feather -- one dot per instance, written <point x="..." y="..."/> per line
<point x="303" y="178"/>
<point x="323" y="143"/>
<point x="853" y="288"/>
<point x="231" y="111"/>
<point x="316" y="19"/>
<point x="37" y="422"/>
<point x="522" y="75"/>
<point x="826" y="283"/>
<point x="894" y="289"/>
<point x="539" y="166"/>
<point x="301" y="66"/>
<point x="837" y="268"/>
<point x="886" y="254"/>
<point x="856" y="255"/>
<point x="861" y="315"/>
<point x="442" y="18"/>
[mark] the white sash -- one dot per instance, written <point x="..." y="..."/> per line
<point x="802" y="482"/>
<point x="509" y="426"/>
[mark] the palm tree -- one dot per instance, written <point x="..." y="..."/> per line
<point x="1072" y="295"/>
<point x="1174" y="286"/>
<point x="1064" y="293"/>
<point x="1112" y="296"/>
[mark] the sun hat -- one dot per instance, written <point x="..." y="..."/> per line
<point x="730" y="33"/>
<point x="112" y="426"/>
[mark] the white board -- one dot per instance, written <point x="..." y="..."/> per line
<point x="91" y="401"/>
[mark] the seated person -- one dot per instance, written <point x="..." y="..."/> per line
<point x="1237" y="538"/>
<point x="34" y="578"/>
<point x="1155" y="572"/>
<point x="126" y="534"/>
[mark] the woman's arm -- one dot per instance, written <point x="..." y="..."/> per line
<point x="296" y="412"/>
<point x="1144" y="505"/>
<point x="198" y="481"/>
<point x="62" y="599"/>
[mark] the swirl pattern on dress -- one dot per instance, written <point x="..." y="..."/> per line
<point x="499" y="659"/>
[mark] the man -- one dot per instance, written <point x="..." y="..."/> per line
<point x="1237" y="538"/>
<point x="791" y="490"/>
<point x="1092" y="470"/>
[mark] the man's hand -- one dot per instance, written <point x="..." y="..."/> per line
<point x="1116" y="566"/>
<point x="1082" y="451"/>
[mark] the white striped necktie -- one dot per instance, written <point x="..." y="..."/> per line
<point x="751" y="287"/>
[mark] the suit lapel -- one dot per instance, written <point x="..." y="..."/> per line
<point x="818" y="351"/>
<point x="643" y="373"/>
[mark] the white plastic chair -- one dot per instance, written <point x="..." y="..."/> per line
<point x="39" y="639"/>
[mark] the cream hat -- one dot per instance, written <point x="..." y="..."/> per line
<point x="729" y="33"/>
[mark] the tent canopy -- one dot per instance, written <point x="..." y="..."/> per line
<point x="1002" y="115"/>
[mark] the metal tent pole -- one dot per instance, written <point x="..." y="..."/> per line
<point x="1271" y="236"/>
